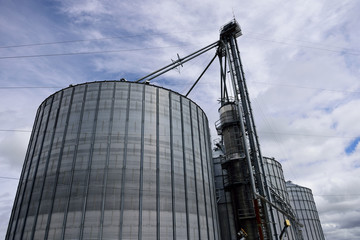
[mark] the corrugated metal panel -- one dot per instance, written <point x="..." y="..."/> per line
<point x="224" y="201"/>
<point x="280" y="197"/>
<point x="302" y="201"/>
<point x="117" y="160"/>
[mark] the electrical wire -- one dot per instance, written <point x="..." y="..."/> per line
<point x="9" y="178"/>
<point x="343" y="51"/>
<point x="311" y="135"/>
<point x="21" y="87"/>
<point x="325" y="47"/>
<point x="262" y="132"/>
<point x="100" y="39"/>
<point x="300" y="41"/>
<point x="203" y="83"/>
<point x="336" y="195"/>
<point x="304" y="87"/>
<point x="90" y="52"/>
<point x="99" y="185"/>
<point x="275" y="135"/>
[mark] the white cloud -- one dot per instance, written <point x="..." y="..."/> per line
<point x="12" y="149"/>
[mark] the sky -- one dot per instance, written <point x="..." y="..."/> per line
<point x="301" y="61"/>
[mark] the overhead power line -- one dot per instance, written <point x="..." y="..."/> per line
<point x="64" y="42"/>
<point x="315" y="195"/>
<point x="19" y="87"/>
<point x="341" y="50"/>
<point x="259" y="36"/>
<point x="256" y="36"/>
<point x="99" y="39"/>
<point x="263" y="132"/>
<point x="90" y="52"/>
<point x="324" y="48"/>
<point x="204" y="83"/>
<point x="142" y="49"/>
<point x="309" y="135"/>
<point x="9" y="178"/>
<point x="305" y="87"/>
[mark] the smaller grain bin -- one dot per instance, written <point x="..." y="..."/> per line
<point x="223" y="199"/>
<point x="302" y="201"/>
<point x="280" y="198"/>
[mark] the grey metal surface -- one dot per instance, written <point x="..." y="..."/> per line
<point x="275" y="177"/>
<point x="280" y="197"/>
<point x="302" y="201"/>
<point x="223" y="199"/>
<point x="117" y="160"/>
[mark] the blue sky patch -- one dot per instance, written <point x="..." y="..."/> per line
<point x="351" y="147"/>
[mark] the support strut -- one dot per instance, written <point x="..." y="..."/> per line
<point x="177" y="63"/>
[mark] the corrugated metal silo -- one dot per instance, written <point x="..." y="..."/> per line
<point x="275" y="177"/>
<point x="116" y="160"/>
<point x="280" y="197"/>
<point x="302" y="201"/>
<point x="223" y="199"/>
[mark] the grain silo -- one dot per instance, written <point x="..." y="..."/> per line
<point x="279" y="211"/>
<point x="223" y="198"/>
<point x="282" y="210"/>
<point x="302" y="201"/>
<point x="116" y="160"/>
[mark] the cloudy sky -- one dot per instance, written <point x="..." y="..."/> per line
<point x="301" y="60"/>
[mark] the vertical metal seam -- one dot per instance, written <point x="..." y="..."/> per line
<point x="313" y="214"/>
<point x="295" y="214"/>
<point x="185" y="170"/>
<point x="106" y="169"/>
<point x="90" y="163"/>
<point x="141" y="177"/>
<point x="213" y="187"/>
<point x="74" y="157"/>
<point x="36" y="167"/>
<point x="303" y="213"/>
<point x="47" y="163"/>
<point x="271" y="165"/>
<point x="194" y="162"/>
<point x="226" y="207"/>
<point x="296" y="197"/>
<point x="157" y="167"/>
<point x="209" y="157"/>
<point x="299" y="199"/>
<point x="122" y="194"/>
<point x="29" y="169"/>
<point x="13" y="211"/>
<point x="172" y="168"/>
<point x="306" y="204"/>
<point x="202" y="172"/>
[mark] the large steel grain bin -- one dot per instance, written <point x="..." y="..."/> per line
<point x="116" y="160"/>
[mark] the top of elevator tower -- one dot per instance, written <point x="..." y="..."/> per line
<point x="231" y="28"/>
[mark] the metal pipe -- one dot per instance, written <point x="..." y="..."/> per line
<point x="212" y="60"/>
<point x="242" y="127"/>
<point x="178" y="62"/>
